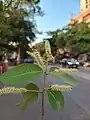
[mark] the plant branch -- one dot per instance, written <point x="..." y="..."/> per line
<point x="43" y="91"/>
<point x="34" y="91"/>
<point x="42" y="105"/>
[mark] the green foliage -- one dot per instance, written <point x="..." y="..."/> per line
<point x="52" y="100"/>
<point x="79" y="38"/>
<point x="21" y="74"/>
<point x="57" y="40"/>
<point x="25" y="72"/>
<point x="63" y="76"/>
<point x="61" y="40"/>
<point x="55" y="97"/>
<point x="17" y="22"/>
<point x="36" y="1"/>
<point x="73" y="39"/>
<point x="80" y="47"/>
<point x="29" y="97"/>
<point x="52" y="40"/>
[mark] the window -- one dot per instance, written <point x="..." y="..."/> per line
<point x="86" y="6"/>
<point x="86" y="3"/>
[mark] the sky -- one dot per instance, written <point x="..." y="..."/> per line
<point x="57" y="15"/>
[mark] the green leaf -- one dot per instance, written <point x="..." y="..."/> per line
<point x="59" y="97"/>
<point x="36" y="1"/>
<point x="21" y="74"/>
<point x="64" y="77"/>
<point x="52" y="100"/>
<point x="54" y="97"/>
<point x="29" y="97"/>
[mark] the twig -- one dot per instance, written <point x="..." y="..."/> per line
<point x="43" y="92"/>
<point x="34" y="91"/>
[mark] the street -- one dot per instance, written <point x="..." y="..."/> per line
<point x="77" y="103"/>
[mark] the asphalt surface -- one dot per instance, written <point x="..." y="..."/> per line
<point x="77" y="103"/>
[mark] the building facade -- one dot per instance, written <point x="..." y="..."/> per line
<point x="84" y="4"/>
<point x="84" y="13"/>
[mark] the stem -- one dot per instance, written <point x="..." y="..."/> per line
<point x="34" y="91"/>
<point x="42" y="105"/>
<point x="43" y="92"/>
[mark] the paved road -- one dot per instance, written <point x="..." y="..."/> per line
<point x="77" y="106"/>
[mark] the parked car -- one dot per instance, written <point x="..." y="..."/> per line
<point x="63" y="62"/>
<point x="27" y="60"/>
<point x="69" y="63"/>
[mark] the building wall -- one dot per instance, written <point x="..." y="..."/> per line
<point x="83" y="16"/>
<point x="84" y="4"/>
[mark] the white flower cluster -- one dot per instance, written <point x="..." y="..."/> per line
<point x="57" y="87"/>
<point x="66" y="70"/>
<point x="36" y="55"/>
<point x="8" y="90"/>
<point x="48" y="51"/>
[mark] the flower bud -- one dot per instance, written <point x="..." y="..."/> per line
<point x="8" y="90"/>
<point x="49" y="56"/>
<point x="60" y="87"/>
<point x="36" y="55"/>
<point x="66" y="70"/>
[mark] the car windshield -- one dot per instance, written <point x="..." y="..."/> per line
<point x="63" y="60"/>
<point x="71" y="60"/>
